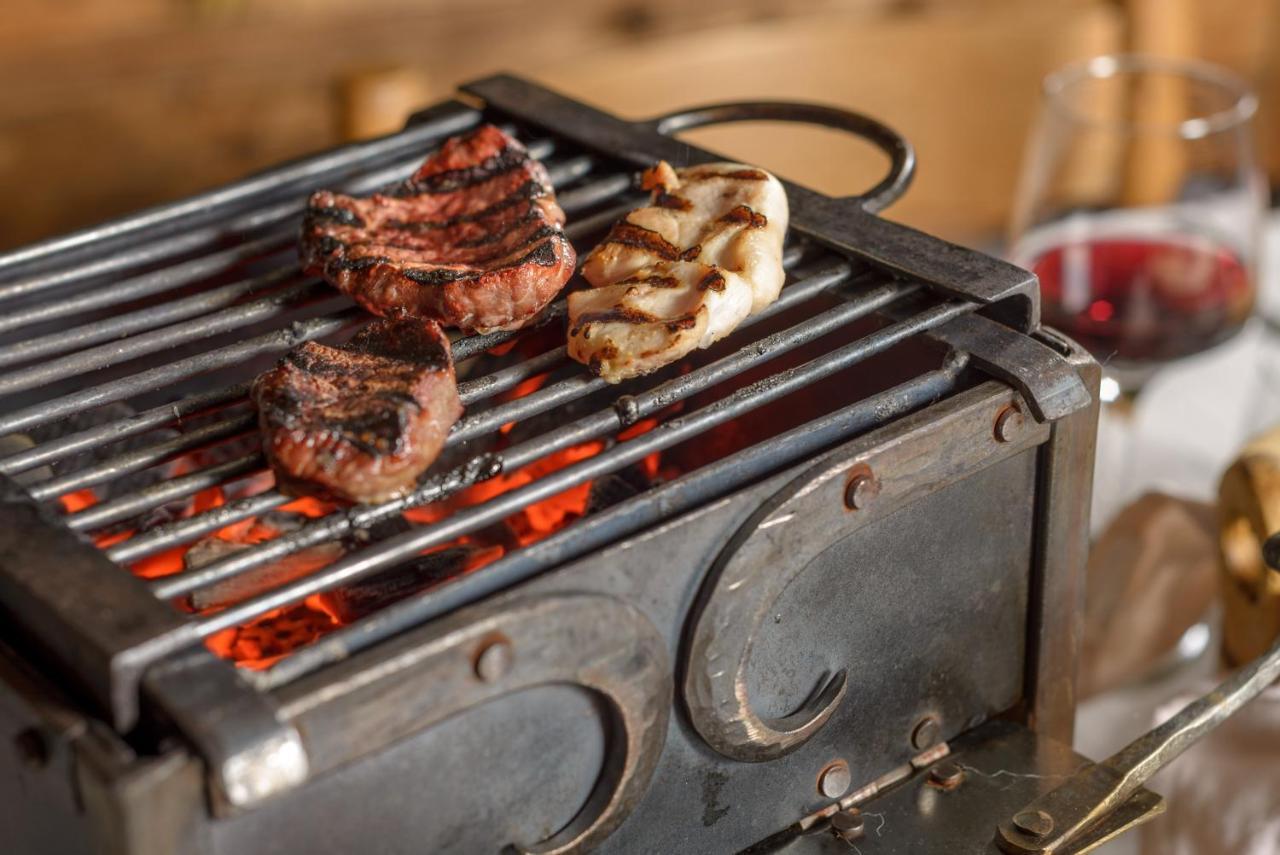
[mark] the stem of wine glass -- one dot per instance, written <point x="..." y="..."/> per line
<point x="1116" y="467"/>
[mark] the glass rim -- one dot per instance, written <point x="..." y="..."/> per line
<point x="1242" y="107"/>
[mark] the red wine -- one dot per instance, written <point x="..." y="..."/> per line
<point x="1141" y="299"/>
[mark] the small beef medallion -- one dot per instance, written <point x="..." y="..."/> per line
<point x="360" y="422"/>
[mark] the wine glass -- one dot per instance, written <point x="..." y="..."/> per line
<point x="1140" y="209"/>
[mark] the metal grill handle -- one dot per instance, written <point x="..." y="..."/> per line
<point x="902" y="157"/>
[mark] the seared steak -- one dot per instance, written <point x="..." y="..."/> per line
<point x="360" y="422"/>
<point x="473" y="239"/>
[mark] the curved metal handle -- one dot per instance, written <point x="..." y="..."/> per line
<point x="902" y="157"/>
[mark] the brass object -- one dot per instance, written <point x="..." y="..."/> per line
<point x="1249" y="512"/>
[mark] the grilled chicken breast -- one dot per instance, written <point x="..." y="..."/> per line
<point x="682" y="272"/>
<point x="473" y="239"/>
<point x="360" y="422"/>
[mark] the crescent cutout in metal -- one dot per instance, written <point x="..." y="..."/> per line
<point x="764" y="556"/>
<point x="595" y="641"/>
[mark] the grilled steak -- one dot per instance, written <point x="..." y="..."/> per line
<point x="473" y="239"/>
<point x="360" y="422"/>
<point x="681" y="272"/>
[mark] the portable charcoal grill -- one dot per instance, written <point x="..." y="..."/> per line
<point x="821" y="561"/>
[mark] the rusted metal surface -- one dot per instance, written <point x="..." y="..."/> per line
<point x="252" y="754"/>
<point x="1062" y="546"/>
<point x="780" y="541"/>
<point x="945" y="805"/>
<point x="597" y="642"/>
<point x="97" y="622"/>
<point x="946" y="776"/>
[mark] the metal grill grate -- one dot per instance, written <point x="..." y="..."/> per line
<point x="173" y="310"/>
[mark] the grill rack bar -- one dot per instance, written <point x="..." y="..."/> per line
<point x="155" y="495"/>
<point x="628" y="517"/>
<point x="399" y="548"/>
<point x="125" y="507"/>
<point x="119" y="326"/>
<point x="114" y="431"/>
<point x="144" y="285"/>
<point x="141" y="458"/>
<point x="277" y="240"/>
<point x="283" y="302"/>
<point x="158" y="416"/>
<point x="449" y="118"/>
<point x="181" y="531"/>
<point x="276" y="341"/>
<point x="219" y="322"/>
<point x="472" y="390"/>
<point x="590" y="427"/>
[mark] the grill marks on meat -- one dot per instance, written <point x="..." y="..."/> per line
<point x="360" y="422"/>
<point x="474" y="239"/>
<point x="682" y="272"/>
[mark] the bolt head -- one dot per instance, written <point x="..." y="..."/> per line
<point x="848" y="825"/>
<point x="946" y="775"/>
<point x="32" y="748"/>
<point x="926" y="733"/>
<point x="835" y="779"/>
<point x="494" y="660"/>
<point x="1009" y="423"/>
<point x="1034" y="823"/>
<point x="861" y="491"/>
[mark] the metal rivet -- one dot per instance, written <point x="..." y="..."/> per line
<point x="494" y="660"/>
<point x="1033" y="823"/>
<point x="861" y="492"/>
<point x="32" y="750"/>
<point x="834" y="780"/>
<point x="1009" y="423"/>
<point x="848" y="825"/>
<point x="925" y="734"/>
<point x="947" y="776"/>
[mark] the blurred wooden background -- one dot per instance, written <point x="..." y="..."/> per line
<point x="110" y="106"/>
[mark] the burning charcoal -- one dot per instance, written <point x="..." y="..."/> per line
<point x="365" y="596"/>
<point x="617" y="487"/>
<point x="245" y="585"/>
<point x="261" y="642"/>
<point x="378" y="531"/>
<point x="284" y="522"/>
<point x="80" y="421"/>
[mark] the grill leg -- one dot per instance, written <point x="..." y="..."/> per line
<point x="1056" y="618"/>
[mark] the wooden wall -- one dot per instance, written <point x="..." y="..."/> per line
<point x="109" y="106"/>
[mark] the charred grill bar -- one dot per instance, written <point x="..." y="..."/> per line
<point x="888" y="358"/>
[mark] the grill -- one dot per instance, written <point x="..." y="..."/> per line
<point x="900" y="386"/>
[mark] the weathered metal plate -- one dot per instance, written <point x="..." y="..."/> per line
<point x="1005" y="767"/>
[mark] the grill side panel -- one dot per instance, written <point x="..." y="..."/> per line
<point x="947" y="561"/>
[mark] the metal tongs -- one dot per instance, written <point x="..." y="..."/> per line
<point x="1068" y="819"/>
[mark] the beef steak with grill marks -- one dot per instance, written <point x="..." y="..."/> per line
<point x="359" y="422"/>
<point x="473" y="239"/>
